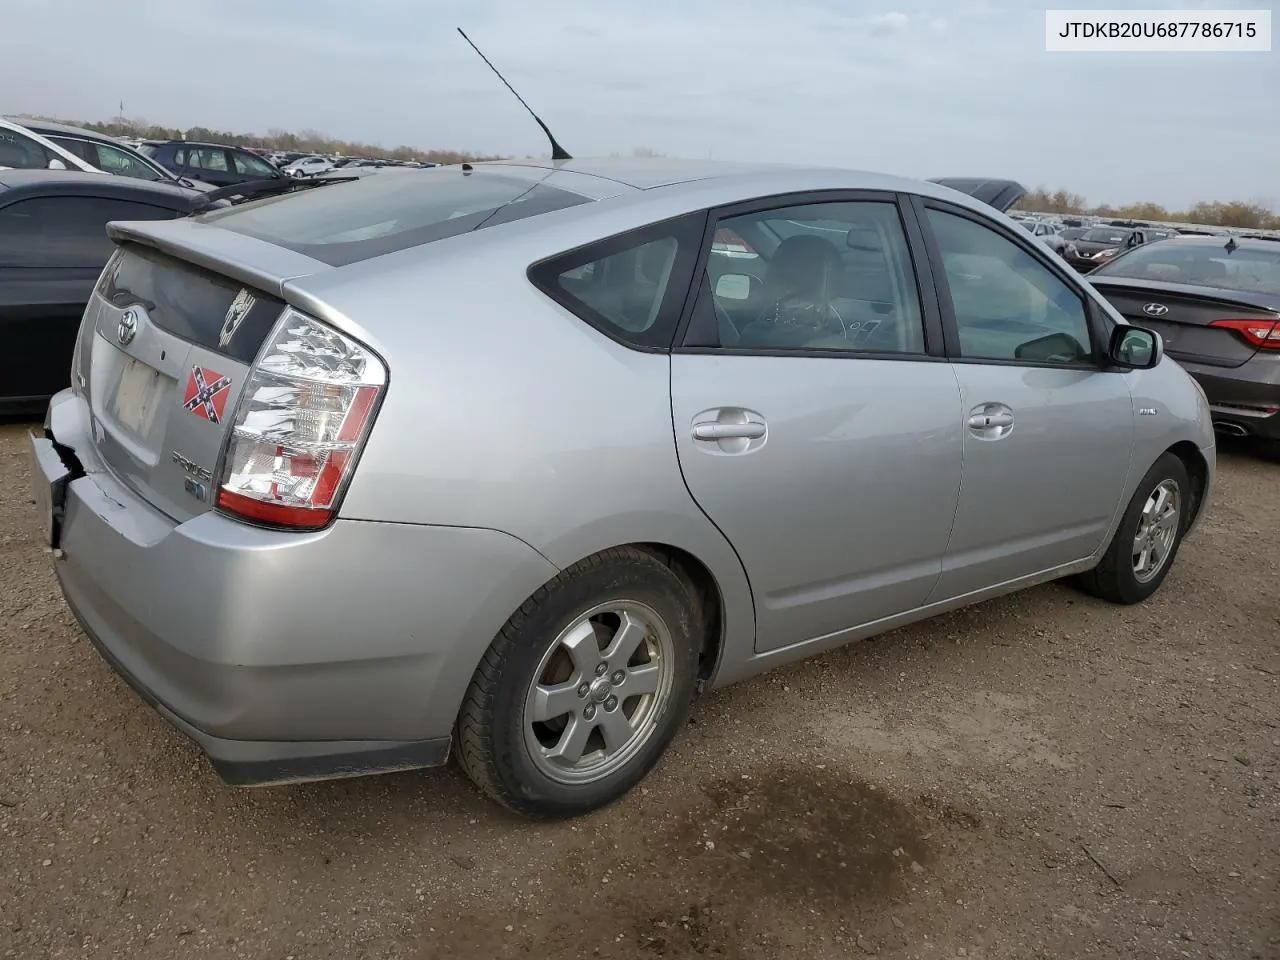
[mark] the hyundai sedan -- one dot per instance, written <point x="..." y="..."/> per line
<point x="513" y="459"/>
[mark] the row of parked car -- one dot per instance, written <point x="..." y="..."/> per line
<point x="27" y="143"/>
<point x="1087" y="243"/>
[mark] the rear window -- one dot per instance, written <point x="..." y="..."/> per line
<point x="1106" y="236"/>
<point x="347" y="222"/>
<point x="1206" y="265"/>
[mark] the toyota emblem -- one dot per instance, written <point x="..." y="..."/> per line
<point x="128" y="327"/>
<point x="1155" y="309"/>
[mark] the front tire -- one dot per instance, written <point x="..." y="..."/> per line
<point x="1147" y="539"/>
<point x="581" y="691"/>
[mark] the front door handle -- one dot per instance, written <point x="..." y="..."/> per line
<point x="722" y="430"/>
<point x="988" y="421"/>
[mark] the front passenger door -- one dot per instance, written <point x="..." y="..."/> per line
<point x="1047" y="432"/>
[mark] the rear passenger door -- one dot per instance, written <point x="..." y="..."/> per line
<point x="815" y="414"/>
<point x="1047" y="432"/>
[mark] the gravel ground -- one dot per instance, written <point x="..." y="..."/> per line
<point x="1039" y="776"/>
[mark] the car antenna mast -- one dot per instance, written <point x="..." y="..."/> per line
<point x="557" y="152"/>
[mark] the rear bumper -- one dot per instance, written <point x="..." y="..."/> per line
<point x="284" y="656"/>
<point x="1243" y="400"/>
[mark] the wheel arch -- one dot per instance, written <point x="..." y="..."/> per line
<point x="1198" y="470"/>
<point x="708" y="597"/>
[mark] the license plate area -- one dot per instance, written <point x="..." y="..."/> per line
<point x="137" y="397"/>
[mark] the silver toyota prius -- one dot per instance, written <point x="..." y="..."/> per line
<point x="515" y="458"/>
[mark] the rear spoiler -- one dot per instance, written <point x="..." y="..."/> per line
<point x="1001" y="194"/>
<point x="256" y="190"/>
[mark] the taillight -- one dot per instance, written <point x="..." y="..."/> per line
<point x="1263" y="334"/>
<point x="303" y="416"/>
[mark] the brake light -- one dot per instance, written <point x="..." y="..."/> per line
<point x="304" y="414"/>
<point x="1263" y="334"/>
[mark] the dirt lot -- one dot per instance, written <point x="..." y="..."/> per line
<point x="1040" y="776"/>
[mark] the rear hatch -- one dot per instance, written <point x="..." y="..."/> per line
<point x="162" y="356"/>
<point x="1182" y="315"/>
<point x="184" y="307"/>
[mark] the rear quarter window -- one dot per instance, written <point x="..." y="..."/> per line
<point x="631" y="286"/>
<point x="344" y="223"/>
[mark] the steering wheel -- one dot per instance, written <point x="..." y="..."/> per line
<point x="804" y="314"/>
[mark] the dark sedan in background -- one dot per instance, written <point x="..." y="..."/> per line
<point x="1095" y="246"/>
<point x="213" y="163"/>
<point x="53" y="246"/>
<point x="1217" y="306"/>
<point x="1098" y="245"/>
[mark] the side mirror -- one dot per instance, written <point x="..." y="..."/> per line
<point x="735" y="286"/>
<point x="57" y="164"/>
<point x="1136" y="348"/>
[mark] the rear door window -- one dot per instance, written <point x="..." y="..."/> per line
<point x="22" y="153"/>
<point x="122" y="163"/>
<point x="81" y="148"/>
<point x="249" y="165"/>
<point x="347" y="222"/>
<point x="207" y="158"/>
<point x="832" y="276"/>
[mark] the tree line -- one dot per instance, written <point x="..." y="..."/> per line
<point x="1253" y="215"/>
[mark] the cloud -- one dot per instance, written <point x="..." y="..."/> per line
<point x="888" y="23"/>
<point x="955" y="90"/>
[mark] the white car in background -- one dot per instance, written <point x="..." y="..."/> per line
<point x="1046" y="231"/>
<point x="306" y="166"/>
<point x="23" y="149"/>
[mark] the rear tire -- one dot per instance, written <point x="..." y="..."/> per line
<point x="1146" y="541"/>
<point x="581" y="691"/>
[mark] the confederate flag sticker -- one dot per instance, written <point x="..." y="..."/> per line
<point x="206" y="394"/>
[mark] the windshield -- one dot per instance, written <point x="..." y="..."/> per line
<point x="1205" y="265"/>
<point x="1108" y="235"/>
<point x="347" y="222"/>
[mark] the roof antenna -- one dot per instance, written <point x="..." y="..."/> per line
<point x="557" y="152"/>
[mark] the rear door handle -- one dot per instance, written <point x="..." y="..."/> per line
<point x="721" y="430"/>
<point x="985" y="421"/>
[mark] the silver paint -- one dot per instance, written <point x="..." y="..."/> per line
<point x="833" y="498"/>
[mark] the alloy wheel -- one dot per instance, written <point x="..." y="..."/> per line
<point x="1157" y="532"/>
<point x="599" y="692"/>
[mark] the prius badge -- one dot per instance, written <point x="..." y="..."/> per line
<point x="197" y="479"/>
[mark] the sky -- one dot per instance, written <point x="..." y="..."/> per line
<point x="921" y="89"/>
